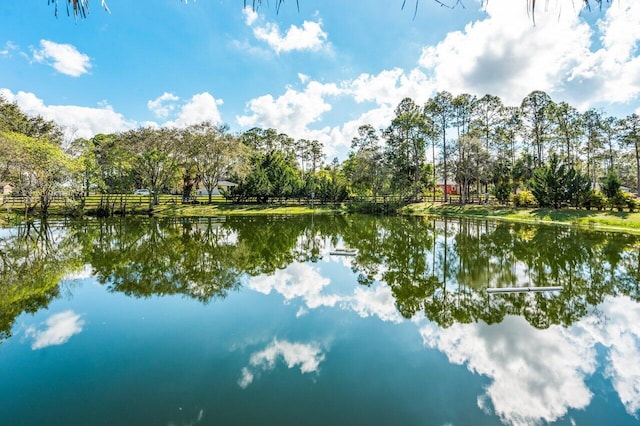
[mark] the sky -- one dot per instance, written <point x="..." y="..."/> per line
<point x="317" y="72"/>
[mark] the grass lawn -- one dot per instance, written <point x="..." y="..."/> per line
<point x="605" y="220"/>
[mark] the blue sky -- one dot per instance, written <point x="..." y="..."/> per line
<point x="319" y="72"/>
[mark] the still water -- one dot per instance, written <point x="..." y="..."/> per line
<point x="252" y="320"/>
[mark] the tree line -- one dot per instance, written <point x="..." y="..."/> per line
<point x="538" y="153"/>
<point x="265" y="164"/>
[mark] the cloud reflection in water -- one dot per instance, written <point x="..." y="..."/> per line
<point x="58" y="330"/>
<point x="306" y="356"/>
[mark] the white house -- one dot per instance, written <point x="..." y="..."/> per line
<point x="6" y="188"/>
<point x="223" y="185"/>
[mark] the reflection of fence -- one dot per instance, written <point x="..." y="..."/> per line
<point x="142" y="201"/>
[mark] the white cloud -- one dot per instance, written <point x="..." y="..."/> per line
<point x="293" y="111"/>
<point x="375" y="301"/>
<point x="84" y="122"/>
<point x="8" y="48"/>
<point x="59" y="328"/>
<point x="303" y="78"/>
<point x="611" y="73"/>
<point x="64" y="58"/>
<point x="250" y="16"/>
<point x="506" y="55"/>
<point x="306" y="356"/>
<point x="389" y="87"/>
<point x="163" y="105"/>
<point x="620" y="334"/>
<point x="201" y="107"/>
<point x="308" y="37"/>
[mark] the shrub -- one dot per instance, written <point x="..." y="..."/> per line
<point x="623" y="200"/>
<point x="594" y="199"/>
<point x="524" y="199"/>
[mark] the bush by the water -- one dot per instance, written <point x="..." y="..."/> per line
<point x="524" y="199"/>
<point x="594" y="200"/>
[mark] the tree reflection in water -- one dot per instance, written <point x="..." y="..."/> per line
<point x="439" y="267"/>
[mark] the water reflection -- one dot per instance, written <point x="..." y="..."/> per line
<point x="439" y="268"/>
<point x="306" y="356"/>
<point x="58" y="329"/>
<point x="538" y="351"/>
<point x="540" y="375"/>
<point x="33" y="260"/>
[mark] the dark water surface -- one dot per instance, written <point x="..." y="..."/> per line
<point x="252" y="320"/>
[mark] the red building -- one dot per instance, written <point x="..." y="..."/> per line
<point x="452" y="188"/>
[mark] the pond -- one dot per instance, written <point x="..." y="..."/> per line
<point x="253" y="320"/>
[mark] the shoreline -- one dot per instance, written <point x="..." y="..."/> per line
<point x="595" y="220"/>
<point x="604" y="220"/>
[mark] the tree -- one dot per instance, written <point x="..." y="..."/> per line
<point x="12" y="119"/>
<point x="557" y="183"/>
<point x="472" y="156"/>
<point x="406" y="142"/>
<point x="566" y="128"/>
<point x="536" y="123"/>
<point x="216" y="154"/>
<point x="488" y="116"/>
<point x="367" y="170"/>
<point x="156" y="158"/>
<point x="593" y="129"/>
<point x="439" y="110"/>
<point x="611" y="185"/>
<point x="39" y="166"/>
<point x="629" y="134"/>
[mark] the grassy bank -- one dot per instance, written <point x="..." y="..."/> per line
<point x="593" y="219"/>
<point x="171" y="207"/>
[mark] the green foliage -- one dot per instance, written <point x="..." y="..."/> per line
<point x="406" y="139"/>
<point x="524" y="199"/>
<point x="556" y="184"/>
<point x="594" y="199"/>
<point x="623" y="200"/>
<point x="611" y="184"/>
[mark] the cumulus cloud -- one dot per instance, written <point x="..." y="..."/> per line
<point x="64" y="58"/>
<point x="250" y="16"/>
<point x="58" y="329"/>
<point x="506" y="55"/>
<point x="306" y="356"/>
<point x="293" y="111"/>
<point x="611" y="72"/>
<point x="296" y="111"/>
<point x="201" y="107"/>
<point x="84" y="122"/>
<point x="310" y="36"/>
<point x="163" y="105"/>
